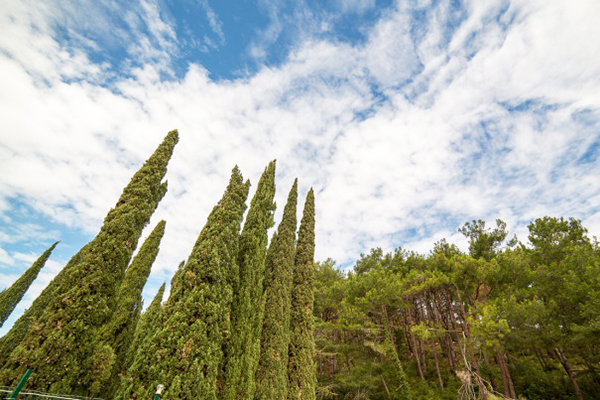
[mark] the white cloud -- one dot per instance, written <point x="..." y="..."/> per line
<point x="393" y="163"/>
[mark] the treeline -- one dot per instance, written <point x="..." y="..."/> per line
<point x="507" y="319"/>
<point x="238" y="323"/>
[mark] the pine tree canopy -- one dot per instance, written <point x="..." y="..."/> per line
<point x="60" y="348"/>
<point x="244" y="346"/>
<point x="271" y="376"/>
<point x="301" y="364"/>
<point x="11" y="296"/>
<point x="185" y="353"/>
<point x="114" y="338"/>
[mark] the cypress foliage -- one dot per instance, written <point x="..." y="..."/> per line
<point x="185" y="353"/>
<point x="10" y="297"/>
<point x="20" y="328"/>
<point x="301" y="366"/>
<point x="59" y="346"/>
<point x="271" y="376"/>
<point x="244" y="347"/>
<point x="114" y="339"/>
<point x="148" y="322"/>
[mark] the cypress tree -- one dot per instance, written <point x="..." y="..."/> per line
<point x="10" y="297"/>
<point x="15" y="335"/>
<point x="114" y="339"/>
<point x="244" y="347"/>
<point x="301" y="366"/>
<point x="271" y="376"/>
<point x="185" y="353"/>
<point x="60" y="345"/>
<point x="148" y="322"/>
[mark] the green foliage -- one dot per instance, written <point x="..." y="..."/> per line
<point x="523" y="321"/>
<point x="60" y="344"/>
<point x="15" y="335"/>
<point x="301" y="364"/>
<point x="271" y="376"/>
<point x="148" y="322"/>
<point x="185" y="352"/>
<point x="243" y="348"/>
<point x="115" y="338"/>
<point x="484" y="243"/>
<point x="10" y="297"/>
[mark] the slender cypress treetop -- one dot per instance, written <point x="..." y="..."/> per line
<point x="10" y="297"/>
<point x="271" y="376"/>
<point x="61" y="346"/>
<point x="114" y="338"/>
<point x="149" y="320"/>
<point x="244" y="346"/>
<point x="185" y="353"/>
<point x="301" y="366"/>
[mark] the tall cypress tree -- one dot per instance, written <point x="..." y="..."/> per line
<point x="61" y="343"/>
<point x="185" y="353"/>
<point x="114" y="338"/>
<point x="301" y="366"/>
<point x="149" y="321"/>
<point x="244" y="347"/>
<point x="10" y="297"/>
<point x="15" y="335"/>
<point x="271" y="376"/>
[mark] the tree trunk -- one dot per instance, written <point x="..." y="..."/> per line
<point x="437" y="366"/>
<point x="488" y="365"/>
<point x="414" y="348"/>
<point x="504" y="370"/>
<point x="563" y="360"/>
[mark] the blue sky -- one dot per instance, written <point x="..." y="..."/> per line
<point x="408" y="118"/>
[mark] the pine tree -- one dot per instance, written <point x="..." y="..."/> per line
<point x="185" y="353"/>
<point x="10" y="297"/>
<point x="60" y="345"/>
<point x="301" y="366"/>
<point x="244" y="347"/>
<point x="271" y="376"/>
<point x="114" y="338"/>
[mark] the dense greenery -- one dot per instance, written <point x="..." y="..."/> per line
<point x="149" y="321"/>
<point x="252" y="320"/>
<point x="10" y="297"/>
<point x="61" y="343"/>
<point x="301" y="365"/>
<point x="243" y="347"/>
<point x="508" y="318"/>
<point x="20" y="328"/>
<point x="185" y="352"/>
<point x="115" y="338"/>
<point x="271" y="377"/>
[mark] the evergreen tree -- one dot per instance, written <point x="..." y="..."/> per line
<point x="148" y="322"/>
<point x="10" y="297"/>
<point x="301" y="365"/>
<point x="15" y="335"/>
<point x="271" y="376"/>
<point x="244" y="347"/>
<point x="185" y="353"/>
<point x="114" y="339"/>
<point x="61" y="343"/>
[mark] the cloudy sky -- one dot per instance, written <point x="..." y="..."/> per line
<point x="408" y="118"/>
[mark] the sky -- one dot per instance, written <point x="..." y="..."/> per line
<point x="408" y="118"/>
